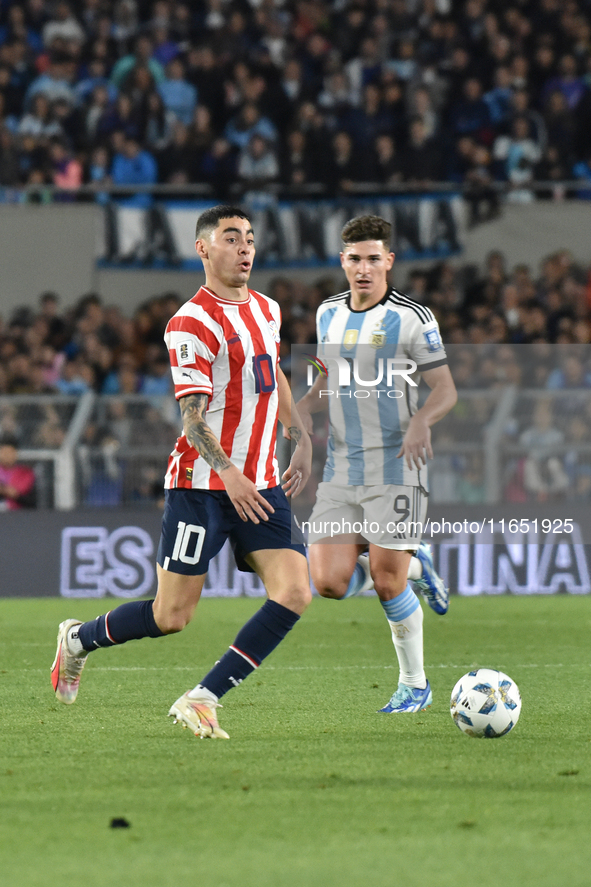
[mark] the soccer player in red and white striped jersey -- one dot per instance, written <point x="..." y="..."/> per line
<point x="211" y="341"/>
<point x="222" y="480"/>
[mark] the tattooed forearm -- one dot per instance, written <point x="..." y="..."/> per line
<point x="199" y="434"/>
<point x="295" y="433"/>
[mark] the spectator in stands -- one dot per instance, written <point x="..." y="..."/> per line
<point x="204" y="73"/>
<point x="421" y="105"/>
<point x="571" y="374"/>
<point x="66" y="170"/>
<point x="517" y="155"/>
<point x="77" y="377"/>
<point x="119" y="118"/>
<point x="247" y="123"/>
<point x="159" y="124"/>
<point x="313" y="55"/>
<point x="345" y="165"/>
<point x="552" y="168"/>
<point x="257" y="167"/>
<point x="335" y="97"/>
<point x="520" y="107"/>
<point x="9" y="158"/>
<point x="318" y="137"/>
<point x="567" y="83"/>
<point x="96" y="76"/>
<point x="295" y="163"/>
<point x="421" y="159"/>
<point x="178" y="160"/>
<point x="365" y="123"/>
<point x="385" y="166"/>
<point x="125" y="379"/>
<point x="99" y="173"/>
<point x="218" y="166"/>
<point x="134" y="167"/>
<point x="178" y="95"/>
<point x="469" y="114"/>
<point x="138" y="87"/>
<point x="95" y="115"/>
<point x="364" y="68"/>
<point x="576" y="460"/>
<point x="498" y="99"/>
<point x="293" y="90"/>
<point x="582" y="171"/>
<point x="544" y="475"/>
<point x="166" y="48"/>
<point x="18" y="28"/>
<point x="481" y="194"/>
<point x="17" y="481"/>
<point x="39" y="121"/>
<point x="404" y="62"/>
<point x="156" y="379"/>
<point x="142" y="55"/>
<point x="560" y="125"/>
<point x="63" y="27"/>
<point x="55" y="83"/>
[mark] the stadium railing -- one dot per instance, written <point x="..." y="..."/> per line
<point x="52" y="426"/>
<point x="90" y="192"/>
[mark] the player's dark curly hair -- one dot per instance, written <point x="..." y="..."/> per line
<point x="210" y="218"/>
<point x="367" y="228"/>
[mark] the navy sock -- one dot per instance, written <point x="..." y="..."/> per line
<point x="253" y="643"/>
<point x="126" y="623"/>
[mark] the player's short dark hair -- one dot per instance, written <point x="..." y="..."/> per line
<point x="210" y="218"/>
<point x="367" y="228"/>
<point x="9" y="440"/>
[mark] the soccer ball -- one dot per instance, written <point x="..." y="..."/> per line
<point x="485" y="704"/>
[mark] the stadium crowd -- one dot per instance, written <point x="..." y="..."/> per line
<point x="95" y="347"/>
<point x="485" y="315"/>
<point x="258" y="91"/>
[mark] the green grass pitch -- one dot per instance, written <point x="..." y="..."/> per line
<point x="314" y="788"/>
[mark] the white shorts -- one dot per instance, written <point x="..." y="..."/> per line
<point x="387" y="515"/>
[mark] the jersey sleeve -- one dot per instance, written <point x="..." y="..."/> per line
<point x="426" y="347"/>
<point x="192" y="346"/>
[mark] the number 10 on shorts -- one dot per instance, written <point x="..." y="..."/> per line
<point x="184" y="542"/>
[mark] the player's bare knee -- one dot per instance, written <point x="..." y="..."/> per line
<point x="331" y="588"/>
<point x="172" y="621"/>
<point x="296" y="598"/>
<point x="387" y="585"/>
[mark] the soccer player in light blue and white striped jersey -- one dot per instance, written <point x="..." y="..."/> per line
<point x="375" y="344"/>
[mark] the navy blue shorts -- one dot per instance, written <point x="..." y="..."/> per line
<point x="196" y="523"/>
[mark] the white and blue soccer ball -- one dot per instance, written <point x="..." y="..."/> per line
<point x="485" y="704"/>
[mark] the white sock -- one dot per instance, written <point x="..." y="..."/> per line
<point x="202" y="694"/>
<point x="74" y="643"/>
<point x="415" y="569"/>
<point x="407" y="636"/>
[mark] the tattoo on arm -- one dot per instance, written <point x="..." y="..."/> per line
<point x="295" y="433"/>
<point x="199" y="434"/>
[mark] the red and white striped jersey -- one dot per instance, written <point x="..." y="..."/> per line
<point x="229" y="351"/>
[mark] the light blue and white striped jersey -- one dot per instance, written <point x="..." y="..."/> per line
<point x="370" y="415"/>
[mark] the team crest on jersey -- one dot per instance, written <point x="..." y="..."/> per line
<point x="350" y="339"/>
<point x="185" y="352"/>
<point x="379" y="337"/>
<point x="433" y="340"/>
<point x="274" y="330"/>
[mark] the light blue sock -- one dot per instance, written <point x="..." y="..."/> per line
<point x="355" y="583"/>
<point x="401" y="607"/>
<point x="405" y="618"/>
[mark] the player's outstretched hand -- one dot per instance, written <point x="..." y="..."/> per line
<point x="416" y="446"/>
<point x="245" y="497"/>
<point x="297" y="473"/>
